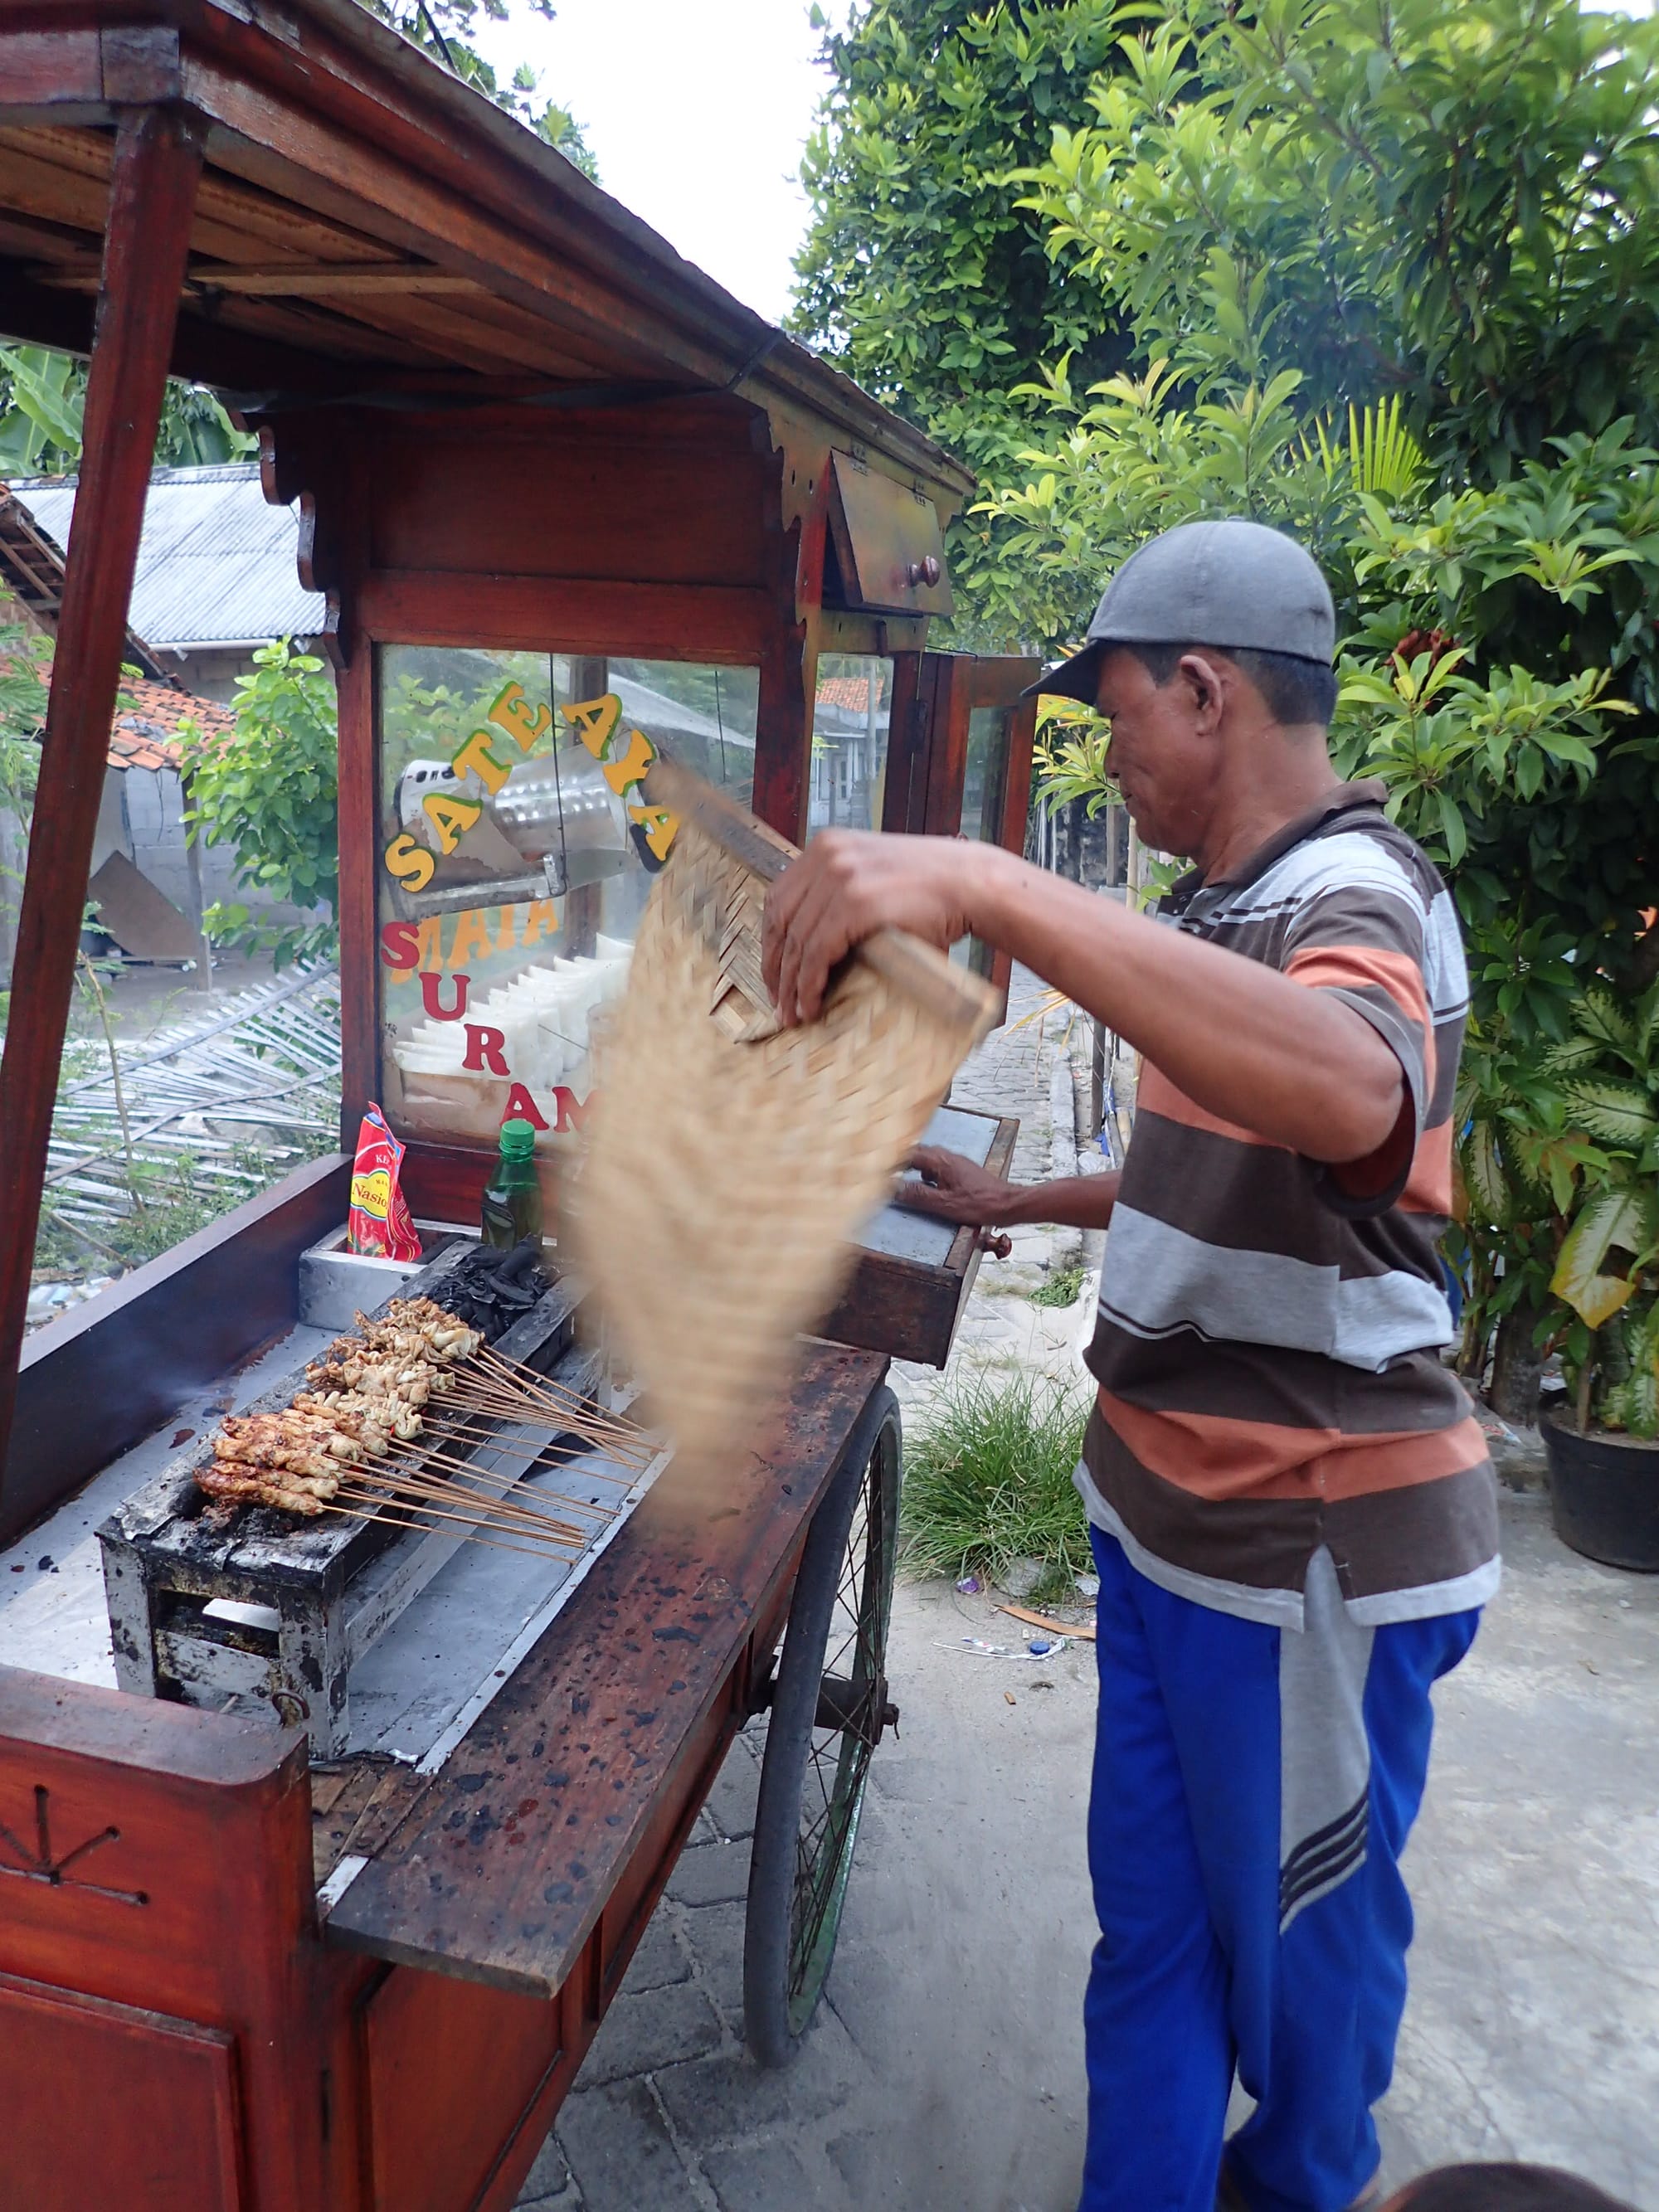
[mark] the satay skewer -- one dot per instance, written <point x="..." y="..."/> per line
<point x="551" y="1536"/>
<point x="533" y="1505"/>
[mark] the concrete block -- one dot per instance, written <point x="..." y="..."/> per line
<point x="621" y="2154"/>
<point x="723" y="2099"/>
<point x="659" y="1959"/>
<point x="649" y="2028"/>
<point x="767" y="2177"/>
<point x="731" y="1801"/>
<point x="711" y="1874"/>
<point x="715" y="1934"/>
<point x="548" y="2176"/>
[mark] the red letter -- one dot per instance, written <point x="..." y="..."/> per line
<point x="485" y="1051"/>
<point x="521" y="1107"/>
<point x="432" y="998"/>
<point x="400" y="945"/>
<point x="572" y="1111"/>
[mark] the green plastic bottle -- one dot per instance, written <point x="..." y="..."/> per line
<point x="512" y="1207"/>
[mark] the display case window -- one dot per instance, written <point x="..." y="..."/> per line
<point x="850" y="719"/>
<point x="516" y="855"/>
<point x="984" y="783"/>
<point x="986" y="771"/>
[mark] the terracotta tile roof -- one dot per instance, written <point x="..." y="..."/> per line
<point x="145" y="733"/>
<point x="850" y="692"/>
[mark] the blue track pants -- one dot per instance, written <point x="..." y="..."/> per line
<point x="1253" y="1788"/>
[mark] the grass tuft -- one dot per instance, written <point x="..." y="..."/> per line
<point x="1061" y="1288"/>
<point x="988" y="1479"/>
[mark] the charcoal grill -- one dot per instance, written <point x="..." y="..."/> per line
<point x="258" y="1611"/>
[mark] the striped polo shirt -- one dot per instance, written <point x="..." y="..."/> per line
<point x="1268" y="1345"/>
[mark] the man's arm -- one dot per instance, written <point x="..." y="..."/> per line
<point x="953" y="1189"/>
<point x="1294" y="1064"/>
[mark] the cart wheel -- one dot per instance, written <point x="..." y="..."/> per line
<point x="829" y="1707"/>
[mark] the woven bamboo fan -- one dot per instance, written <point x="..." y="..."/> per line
<point x="728" y="1160"/>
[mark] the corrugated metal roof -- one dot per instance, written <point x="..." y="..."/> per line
<point x="215" y="563"/>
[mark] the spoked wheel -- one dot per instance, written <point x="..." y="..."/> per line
<point x="829" y="1707"/>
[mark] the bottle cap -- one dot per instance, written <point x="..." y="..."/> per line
<point x="517" y="1139"/>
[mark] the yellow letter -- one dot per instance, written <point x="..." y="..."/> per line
<point x="541" y="919"/>
<point x="594" y="720"/>
<point x="522" y="723"/>
<point x="410" y="863"/>
<point x="475" y="755"/>
<point x="471" y="935"/>
<point x="659" y="826"/>
<point x="619" y="774"/>
<point x="451" y="817"/>
<point x="429" y="941"/>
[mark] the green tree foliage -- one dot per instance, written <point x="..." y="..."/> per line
<point x="1386" y="195"/>
<point x="272" y="792"/>
<point x="43" y="396"/>
<point x="1388" y="279"/>
<point x="447" y="30"/>
<point x="921" y="275"/>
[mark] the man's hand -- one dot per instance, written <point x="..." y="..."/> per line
<point x="848" y="884"/>
<point x="954" y="1189"/>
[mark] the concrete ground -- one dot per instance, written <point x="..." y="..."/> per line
<point x="944" y="2070"/>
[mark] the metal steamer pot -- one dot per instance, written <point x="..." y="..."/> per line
<point x="559" y="809"/>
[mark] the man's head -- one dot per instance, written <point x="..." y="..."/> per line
<point x="1502" y="2189"/>
<point x="1210" y="653"/>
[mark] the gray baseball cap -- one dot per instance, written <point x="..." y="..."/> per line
<point x="1232" y="584"/>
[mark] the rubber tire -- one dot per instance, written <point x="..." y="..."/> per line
<point x="771" y="2037"/>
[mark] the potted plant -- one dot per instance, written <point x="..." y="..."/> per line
<point x="1603" y="1446"/>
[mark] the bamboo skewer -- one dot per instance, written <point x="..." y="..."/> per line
<point x="412" y="1474"/>
<point x="480" y="1504"/>
<point x="414" y="1456"/>
<point x="365" y="1513"/>
<point x="513" y="1401"/>
<point x="479" y="1514"/>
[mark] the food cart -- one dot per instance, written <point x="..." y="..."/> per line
<point x="572" y="507"/>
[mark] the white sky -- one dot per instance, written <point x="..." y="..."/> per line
<point x="697" y="112"/>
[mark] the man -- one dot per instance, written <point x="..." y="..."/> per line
<point x="1292" y="1512"/>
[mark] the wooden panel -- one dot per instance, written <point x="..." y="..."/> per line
<point x="632" y="511"/>
<point x="451" y="2068"/>
<point x="159" y="1857"/>
<point x="502" y="1870"/>
<point x="110" y="1372"/>
<point x="48" y="67"/>
<point x="885" y="537"/>
<point x="281" y="148"/>
<point x="538" y="614"/>
<point x="162" y="2092"/>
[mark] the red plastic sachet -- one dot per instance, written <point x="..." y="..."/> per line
<point x="379" y="1224"/>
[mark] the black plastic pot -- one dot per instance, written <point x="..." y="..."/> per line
<point x="1604" y="1493"/>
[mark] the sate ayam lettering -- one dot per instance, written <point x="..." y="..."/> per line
<point x="513" y="716"/>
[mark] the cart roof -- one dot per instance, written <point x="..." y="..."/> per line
<point x="369" y="227"/>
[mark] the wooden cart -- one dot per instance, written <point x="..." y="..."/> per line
<point x="570" y="504"/>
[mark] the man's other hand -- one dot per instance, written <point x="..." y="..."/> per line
<point x="954" y="1189"/>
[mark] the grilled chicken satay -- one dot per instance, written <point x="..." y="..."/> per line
<point x="240" y="1484"/>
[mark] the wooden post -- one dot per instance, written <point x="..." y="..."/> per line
<point x="158" y="160"/>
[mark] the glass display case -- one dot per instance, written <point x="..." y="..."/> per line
<point x="516" y="855"/>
